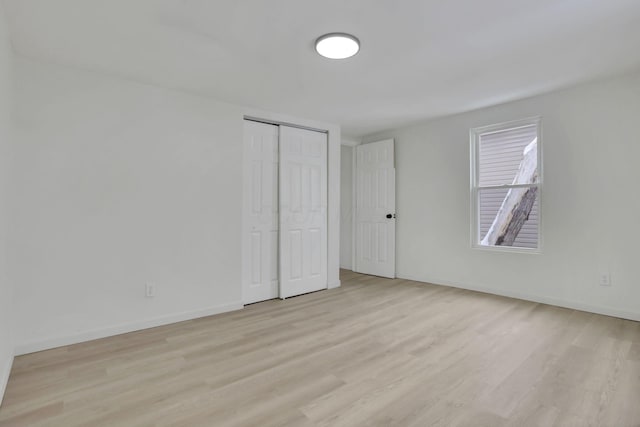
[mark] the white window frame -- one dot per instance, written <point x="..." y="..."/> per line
<point x="474" y="136"/>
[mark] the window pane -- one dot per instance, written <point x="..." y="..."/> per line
<point x="511" y="215"/>
<point x="502" y="159"/>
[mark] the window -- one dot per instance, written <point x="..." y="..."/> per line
<point x="505" y="185"/>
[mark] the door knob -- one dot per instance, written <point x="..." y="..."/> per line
<point x="391" y="216"/>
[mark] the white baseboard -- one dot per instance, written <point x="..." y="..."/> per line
<point x="46" y="344"/>
<point x="334" y="285"/>
<point x="4" y="377"/>
<point x="574" y="305"/>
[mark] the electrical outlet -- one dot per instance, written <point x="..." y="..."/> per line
<point x="150" y="290"/>
<point x="605" y="279"/>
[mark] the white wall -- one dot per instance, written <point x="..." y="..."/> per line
<point x="346" y="208"/>
<point x="590" y="205"/>
<point x="6" y="321"/>
<point x="119" y="184"/>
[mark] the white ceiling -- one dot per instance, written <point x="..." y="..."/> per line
<point x="419" y="58"/>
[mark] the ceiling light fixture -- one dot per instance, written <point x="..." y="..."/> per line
<point x="337" y="45"/>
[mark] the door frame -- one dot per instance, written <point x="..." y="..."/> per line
<point x="333" y="187"/>
<point x="354" y="205"/>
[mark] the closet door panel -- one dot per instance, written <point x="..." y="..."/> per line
<point x="303" y="211"/>
<point x="260" y="237"/>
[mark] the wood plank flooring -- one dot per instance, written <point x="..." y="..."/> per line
<point x="374" y="352"/>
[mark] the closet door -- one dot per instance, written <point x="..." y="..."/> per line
<point x="303" y="211"/>
<point x="260" y="237"/>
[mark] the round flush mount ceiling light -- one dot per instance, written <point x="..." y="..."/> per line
<point x="337" y="45"/>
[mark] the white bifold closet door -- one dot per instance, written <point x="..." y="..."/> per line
<point x="260" y="245"/>
<point x="285" y="212"/>
<point x="303" y="211"/>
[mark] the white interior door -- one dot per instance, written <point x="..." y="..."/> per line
<point x="260" y="245"/>
<point x="376" y="209"/>
<point x="303" y="211"/>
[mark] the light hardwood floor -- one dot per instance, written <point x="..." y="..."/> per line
<point x="375" y="352"/>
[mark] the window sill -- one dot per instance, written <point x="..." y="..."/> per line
<point x="507" y="249"/>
